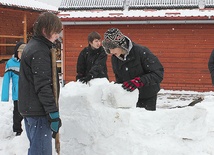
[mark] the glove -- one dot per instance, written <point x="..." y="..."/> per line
<point x="132" y="84"/>
<point x="55" y="122"/>
<point x="85" y="79"/>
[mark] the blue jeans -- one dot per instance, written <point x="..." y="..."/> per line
<point x="39" y="134"/>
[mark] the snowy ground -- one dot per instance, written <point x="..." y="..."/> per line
<point x="93" y="125"/>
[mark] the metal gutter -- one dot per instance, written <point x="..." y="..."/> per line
<point x="139" y="22"/>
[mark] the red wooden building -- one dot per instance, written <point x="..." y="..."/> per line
<point x="180" y="34"/>
<point x="16" y="22"/>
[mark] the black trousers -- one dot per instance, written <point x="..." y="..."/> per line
<point x="17" y="118"/>
<point x="148" y="103"/>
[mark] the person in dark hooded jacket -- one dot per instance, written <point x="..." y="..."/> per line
<point x="36" y="95"/>
<point x="12" y="72"/>
<point x="91" y="62"/>
<point x="134" y="66"/>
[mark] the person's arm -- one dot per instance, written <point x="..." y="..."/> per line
<point x="113" y="64"/>
<point x="211" y="66"/>
<point x="153" y="71"/>
<point x="6" y="85"/>
<point x="153" y="68"/>
<point x="42" y="75"/>
<point x="81" y="66"/>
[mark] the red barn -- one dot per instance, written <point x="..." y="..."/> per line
<point x="180" y="33"/>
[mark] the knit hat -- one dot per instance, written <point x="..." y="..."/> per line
<point x="113" y="38"/>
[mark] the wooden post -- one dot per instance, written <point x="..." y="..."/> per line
<point x="55" y="90"/>
<point x="25" y="28"/>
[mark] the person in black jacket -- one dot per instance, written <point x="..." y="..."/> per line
<point x="91" y="62"/>
<point x="36" y="98"/>
<point x="211" y="66"/>
<point x="134" y="66"/>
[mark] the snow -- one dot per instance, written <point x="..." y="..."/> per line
<point x="138" y="13"/>
<point x="53" y="2"/>
<point x="36" y="5"/>
<point x="95" y="123"/>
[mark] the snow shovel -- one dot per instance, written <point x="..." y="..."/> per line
<point x="194" y="102"/>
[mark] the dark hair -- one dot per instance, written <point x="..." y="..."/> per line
<point x="93" y="35"/>
<point x="50" y="22"/>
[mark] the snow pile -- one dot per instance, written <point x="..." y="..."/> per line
<point x="94" y="124"/>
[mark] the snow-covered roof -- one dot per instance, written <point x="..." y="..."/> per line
<point x="136" y="11"/>
<point x="133" y="4"/>
<point x="136" y="4"/>
<point x="28" y="4"/>
<point x="136" y="16"/>
<point x="91" y="4"/>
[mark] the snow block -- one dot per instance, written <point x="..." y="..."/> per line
<point x="115" y="96"/>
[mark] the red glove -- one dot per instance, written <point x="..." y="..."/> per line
<point x="132" y="84"/>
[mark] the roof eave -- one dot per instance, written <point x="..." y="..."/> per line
<point x="31" y="9"/>
<point x="138" y="20"/>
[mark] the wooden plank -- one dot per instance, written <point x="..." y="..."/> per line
<point x="5" y="57"/>
<point x="7" y="44"/>
<point x="10" y="36"/>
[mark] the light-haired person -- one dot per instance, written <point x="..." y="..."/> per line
<point x="12" y="74"/>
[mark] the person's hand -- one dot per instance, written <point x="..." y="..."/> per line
<point x="85" y="79"/>
<point x="132" y="84"/>
<point x="55" y="122"/>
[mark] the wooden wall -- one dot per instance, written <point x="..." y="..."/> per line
<point x="11" y="24"/>
<point x="183" y="49"/>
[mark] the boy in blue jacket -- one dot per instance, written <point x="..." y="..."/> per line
<point x="12" y="72"/>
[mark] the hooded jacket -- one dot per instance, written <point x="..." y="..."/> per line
<point x="36" y="96"/>
<point x="11" y="72"/>
<point x="139" y="62"/>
